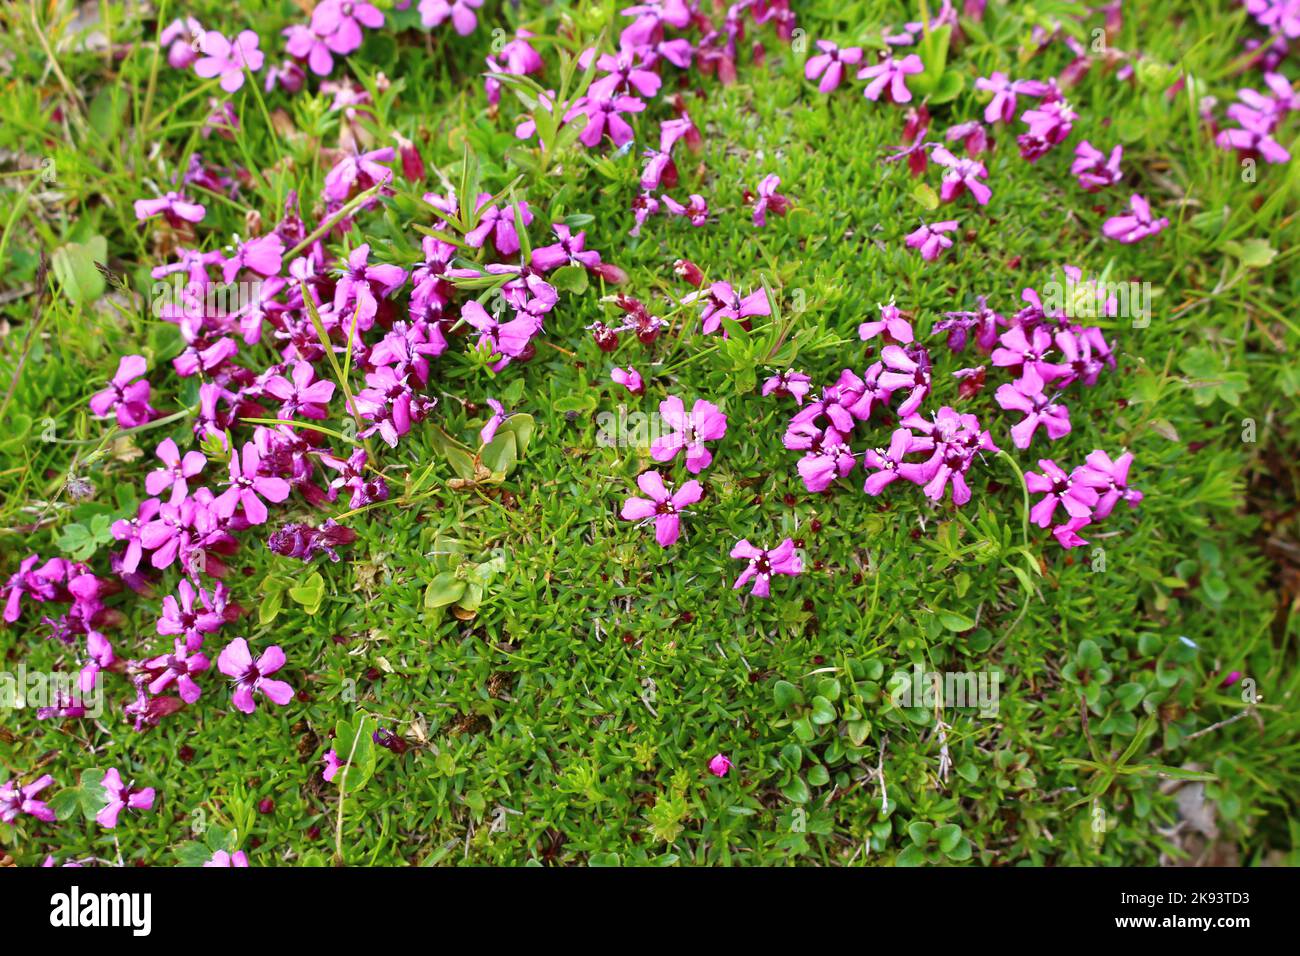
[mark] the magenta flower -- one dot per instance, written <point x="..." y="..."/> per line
<point x="830" y="64"/>
<point x="303" y="42"/>
<point x="340" y="23"/>
<point x="1253" y="140"/>
<point x="723" y="302"/>
<point x="1020" y="351"/>
<point x="1067" y="534"/>
<point x="1138" y="224"/>
<point x="223" y="858"/>
<point x="176" y="207"/>
<point x="178" y="667"/>
<point x="1110" y="478"/>
<point x="360" y="171"/>
<point x="623" y="74"/>
<point x="1058" y="489"/>
<point x="181" y="37"/>
<point x="957" y="441"/>
<point x="16" y="799"/>
<point x="690" y="430"/>
<point x="930" y="238"/>
<point x="304" y="395"/>
<point x="570" y="249"/>
<point x="663" y="509"/>
<point x="1002" y="108"/>
<point x="962" y="175"/>
<point x="888" y="465"/>
<point x="175" y="471"/>
<point x="499" y="224"/>
<point x="908" y="371"/>
<point x="227" y="60"/>
<point x="892" y="321"/>
<point x="629" y="378"/>
<point x="498" y="418"/>
<point x="250" y="676"/>
<point x="828" y="457"/>
<point x="783" y="559"/>
<point x="719" y="764"/>
<point x="889" y="76"/>
<point x="604" y="118"/>
<point x="362" y="285"/>
<point x="99" y="656"/>
<point x="792" y="383"/>
<point x="182" y="618"/>
<point x="1026" y="395"/>
<point x="696" y="209"/>
<point x="120" y="796"/>
<point x="246" y="484"/>
<point x="1094" y="169"/>
<point x="125" y="397"/>
<point x="263" y="255"/>
<point x="983" y="322"/>
<point x="332" y="765"/>
<point x="769" y="198"/>
<point x="434" y="13"/>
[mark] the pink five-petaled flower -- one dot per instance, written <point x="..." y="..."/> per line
<point x="16" y="799"/>
<point x="263" y="255"/>
<point x="892" y="321"/>
<point x="769" y="198"/>
<point x="358" y="169"/>
<point x="962" y="175"/>
<point x="302" y="396"/>
<point x="629" y="378"/>
<point x="175" y="471"/>
<point x="829" y="64"/>
<point x="250" y="676"/>
<point x="1002" y="108"/>
<point x="1110" y="478"/>
<point x="362" y="285"/>
<point x="173" y="205"/>
<point x="340" y="23"/>
<point x="436" y="12"/>
<point x="790" y="382"/>
<point x="499" y="223"/>
<point x="1059" y="489"/>
<point x="829" y="457"/>
<point x="246" y="485"/>
<point x="889" y="465"/>
<point x="1138" y="224"/>
<point x="127" y="398"/>
<point x="889" y="76"/>
<point x="719" y="764"/>
<point x="1094" y="169"/>
<point x="604" y="118"/>
<point x="783" y="559"/>
<point x="178" y="667"/>
<point x="120" y="796"/>
<point x="181" y="618"/>
<point x="661" y="507"/>
<point x="227" y="60"/>
<point x="930" y="238"/>
<point x="223" y="858"/>
<point x="1026" y="395"/>
<point x="703" y="423"/>
<point x="909" y="370"/>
